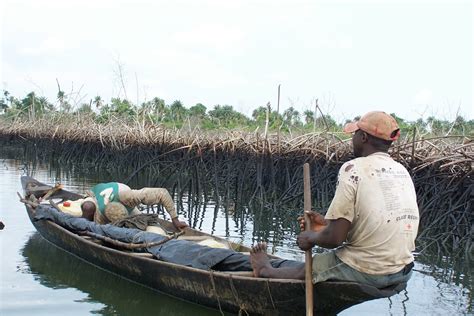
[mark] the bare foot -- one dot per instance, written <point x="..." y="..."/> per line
<point x="259" y="259"/>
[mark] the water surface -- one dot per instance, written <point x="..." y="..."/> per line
<point x="38" y="278"/>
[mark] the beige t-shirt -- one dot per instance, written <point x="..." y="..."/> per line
<point x="377" y="195"/>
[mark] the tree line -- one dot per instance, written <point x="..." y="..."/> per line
<point x="177" y="115"/>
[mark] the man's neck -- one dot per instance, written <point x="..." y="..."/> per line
<point x="371" y="150"/>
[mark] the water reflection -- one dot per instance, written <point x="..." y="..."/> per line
<point x="453" y="275"/>
<point x="57" y="269"/>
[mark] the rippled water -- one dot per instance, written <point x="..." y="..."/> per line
<point x="38" y="278"/>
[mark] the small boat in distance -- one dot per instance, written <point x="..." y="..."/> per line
<point x="230" y="291"/>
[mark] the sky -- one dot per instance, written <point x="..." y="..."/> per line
<point x="412" y="58"/>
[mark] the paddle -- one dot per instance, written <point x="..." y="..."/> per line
<point x="308" y="256"/>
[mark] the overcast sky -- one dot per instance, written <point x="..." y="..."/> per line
<point x="413" y="58"/>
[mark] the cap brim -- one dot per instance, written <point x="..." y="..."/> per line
<point x="350" y="127"/>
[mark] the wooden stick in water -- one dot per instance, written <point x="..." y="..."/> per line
<point x="308" y="264"/>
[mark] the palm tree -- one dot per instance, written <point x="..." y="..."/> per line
<point x="43" y="105"/>
<point x="260" y="114"/>
<point x="98" y="102"/>
<point x="3" y="102"/>
<point x="308" y="117"/>
<point x="198" y="110"/>
<point x="3" y="106"/>
<point x="60" y="97"/>
<point x="158" y="106"/>
<point x="291" y="116"/>
<point x="178" y="111"/>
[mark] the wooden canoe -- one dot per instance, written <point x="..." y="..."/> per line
<point x="227" y="291"/>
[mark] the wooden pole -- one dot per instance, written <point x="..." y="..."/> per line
<point x="315" y="115"/>
<point x="308" y="265"/>
<point x="277" y="116"/>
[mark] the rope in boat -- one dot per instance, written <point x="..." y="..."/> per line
<point x="211" y="275"/>
<point x="270" y="294"/>
<point x="236" y="297"/>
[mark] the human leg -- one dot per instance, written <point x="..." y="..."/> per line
<point x="262" y="268"/>
<point x="328" y="267"/>
<point x="149" y="196"/>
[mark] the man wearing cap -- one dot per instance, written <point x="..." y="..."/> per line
<point x="114" y="201"/>
<point x="372" y="221"/>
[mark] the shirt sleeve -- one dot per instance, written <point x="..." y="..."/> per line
<point x="122" y="187"/>
<point x="343" y="203"/>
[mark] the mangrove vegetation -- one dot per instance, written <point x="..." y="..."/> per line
<point x="245" y="163"/>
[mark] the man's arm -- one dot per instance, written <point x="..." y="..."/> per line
<point x="178" y="224"/>
<point x="339" y="216"/>
<point x="330" y="237"/>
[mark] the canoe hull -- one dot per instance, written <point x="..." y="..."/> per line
<point x="198" y="286"/>
<point x="219" y="290"/>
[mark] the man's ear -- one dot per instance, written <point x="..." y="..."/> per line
<point x="365" y="137"/>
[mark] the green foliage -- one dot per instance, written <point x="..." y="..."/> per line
<point x="122" y="107"/>
<point x="208" y="124"/>
<point x="104" y="115"/>
<point x="98" y="102"/>
<point x="85" y="108"/>
<point x="405" y="127"/>
<point x="3" y="106"/>
<point x="30" y="106"/>
<point x="308" y="117"/>
<point x="158" y="107"/>
<point x="326" y="123"/>
<point x="176" y="115"/>
<point x="259" y="116"/>
<point x="226" y="116"/>
<point x="64" y="105"/>
<point x="198" y="110"/>
<point x="4" y="102"/>
<point x="177" y="112"/>
<point x="291" y="117"/>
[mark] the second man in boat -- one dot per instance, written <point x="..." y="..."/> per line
<point x="113" y="201"/>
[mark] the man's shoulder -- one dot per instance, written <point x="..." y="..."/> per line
<point x="348" y="165"/>
<point x="363" y="165"/>
<point x="353" y="164"/>
<point x="374" y="159"/>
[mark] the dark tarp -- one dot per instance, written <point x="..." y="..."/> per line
<point x="181" y="252"/>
